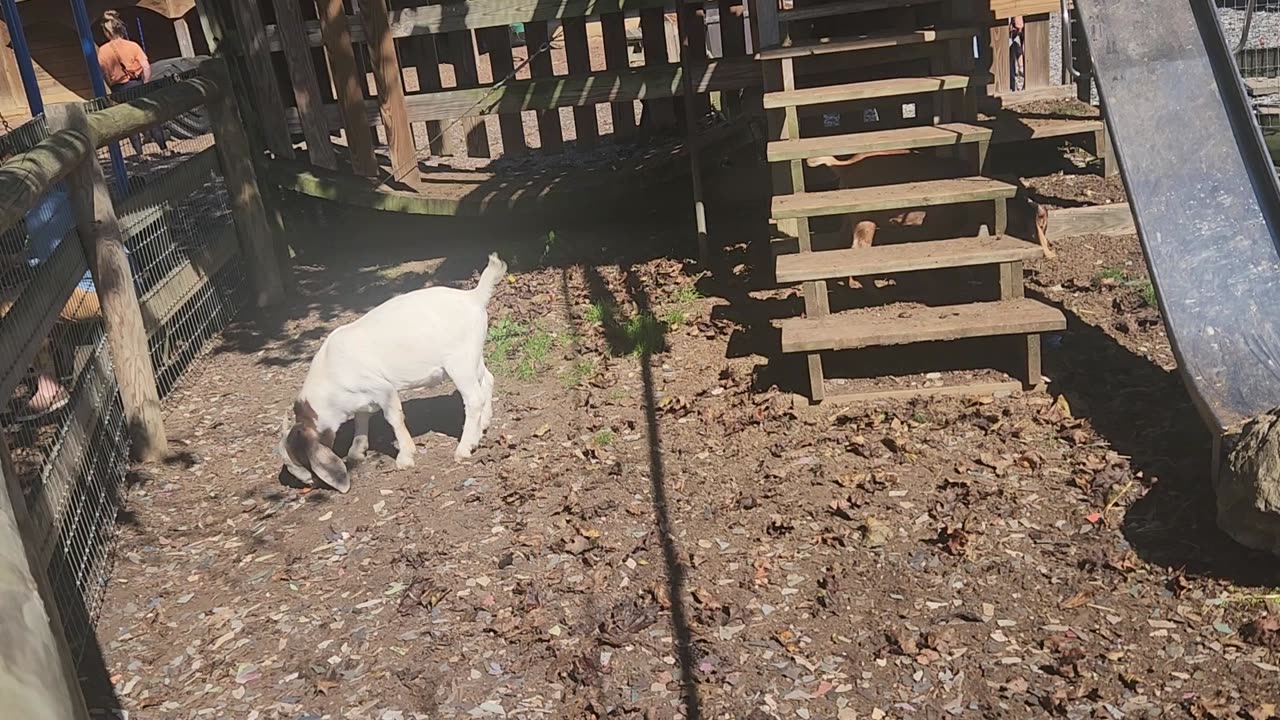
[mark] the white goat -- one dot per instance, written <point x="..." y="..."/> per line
<point x="408" y="342"/>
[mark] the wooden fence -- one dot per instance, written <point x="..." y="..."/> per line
<point x="479" y="79"/>
<point x="39" y="519"/>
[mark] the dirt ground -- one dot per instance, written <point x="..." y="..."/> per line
<point x="650" y="530"/>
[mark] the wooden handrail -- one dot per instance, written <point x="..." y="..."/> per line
<point x="29" y="175"/>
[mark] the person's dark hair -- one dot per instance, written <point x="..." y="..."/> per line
<point x="113" y="25"/>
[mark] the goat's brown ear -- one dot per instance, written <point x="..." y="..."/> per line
<point x="328" y="467"/>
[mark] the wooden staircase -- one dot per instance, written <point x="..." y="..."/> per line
<point x="951" y="88"/>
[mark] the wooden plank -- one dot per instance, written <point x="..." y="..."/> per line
<point x="454" y="17"/>
<point x="733" y="36"/>
<point x="1053" y="92"/>
<point x="550" y="133"/>
<point x="844" y="7"/>
<point x="502" y="65"/>
<point x="390" y="83"/>
<point x="1011" y="129"/>
<point x="825" y="46"/>
<point x="466" y="74"/>
<point x="924" y="136"/>
<point x="347" y="85"/>
<point x="659" y="113"/>
<point x="578" y="55"/>
<point x="306" y="88"/>
<point x="998" y="37"/>
<point x="186" y="48"/>
<point x="904" y="257"/>
<point x="969" y="390"/>
<point x="1036" y="52"/>
<point x="1115" y="219"/>
<point x="766" y="26"/>
<point x="1261" y="86"/>
<point x="171" y="293"/>
<point x="540" y="94"/>
<point x="1011" y="280"/>
<point x="889" y="325"/>
<point x="927" y="193"/>
<point x="100" y="235"/>
<point x="617" y="59"/>
<point x="1005" y="9"/>
<point x="869" y="90"/>
<point x="266" y="91"/>
<point x="428" y="64"/>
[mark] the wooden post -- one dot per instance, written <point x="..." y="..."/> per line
<point x="103" y="241"/>
<point x="252" y="227"/>
<point x="306" y="88"/>
<point x="347" y="84"/>
<point x="185" y="47"/>
<point x="688" y="60"/>
<point x="37" y="674"/>
<point x="390" y="83"/>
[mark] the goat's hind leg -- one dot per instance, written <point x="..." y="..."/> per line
<point x="360" y="441"/>
<point x="470" y="383"/>
<point x="486" y="386"/>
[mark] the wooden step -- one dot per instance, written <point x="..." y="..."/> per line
<point x="1014" y="129"/>
<point x="891" y="325"/>
<point x="845" y="7"/>
<point x="928" y="193"/>
<point x="904" y="257"/>
<point x="901" y="139"/>
<point x="871" y="90"/>
<point x="825" y="46"/>
<point x="975" y="389"/>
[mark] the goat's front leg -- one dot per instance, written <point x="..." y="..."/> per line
<point x="394" y="413"/>
<point x="360" y="442"/>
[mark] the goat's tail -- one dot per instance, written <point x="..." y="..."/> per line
<point x="490" y="278"/>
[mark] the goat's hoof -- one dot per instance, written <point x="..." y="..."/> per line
<point x="1049" y="254"/>
<point x="462" y="453"/>
<point x="404" y="461"/>
<point x="355" y="457"/>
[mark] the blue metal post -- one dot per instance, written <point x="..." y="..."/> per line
<point x="18" y="38"/>
<point x="85" y="30"/>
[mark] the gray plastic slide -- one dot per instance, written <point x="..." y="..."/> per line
<point x="1203" y="193"/>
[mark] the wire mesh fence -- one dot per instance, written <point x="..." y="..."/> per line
<point x="63" y="423"/>
<point x="1253" y="27"/>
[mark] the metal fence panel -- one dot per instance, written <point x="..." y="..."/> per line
<point x="71" y="455"/>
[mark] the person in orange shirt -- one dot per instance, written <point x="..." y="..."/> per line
<point x="125" y="65"/>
